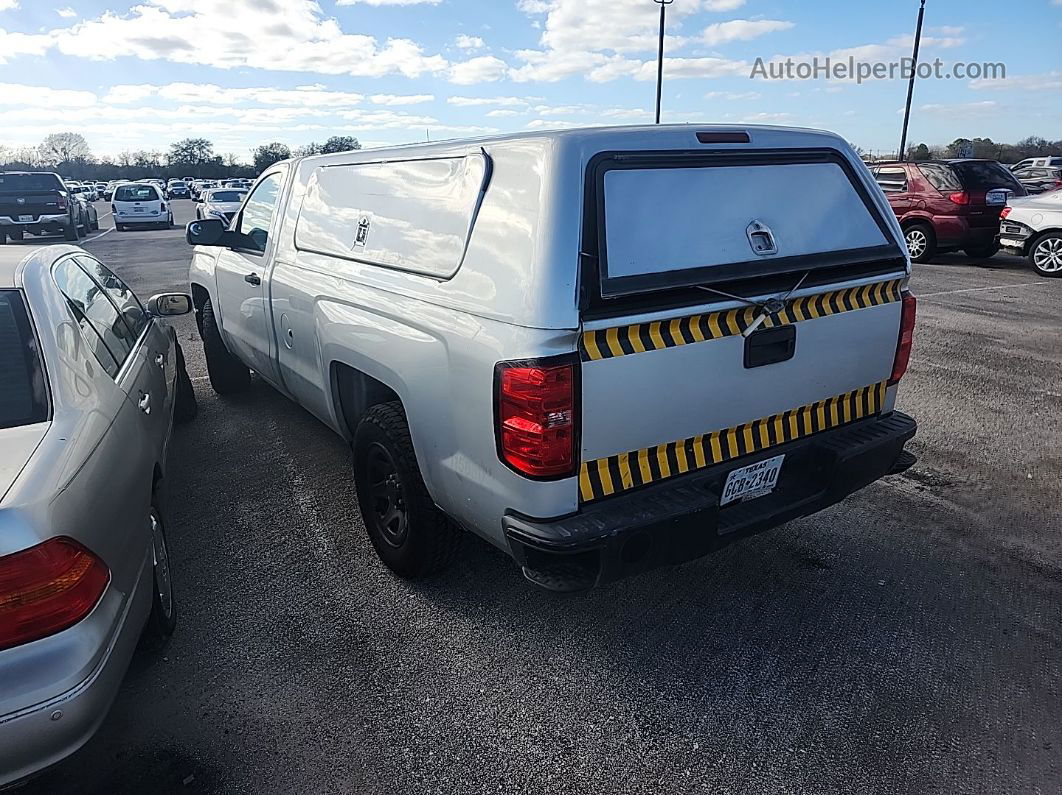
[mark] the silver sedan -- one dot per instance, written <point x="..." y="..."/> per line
<point x="91" y="381"/>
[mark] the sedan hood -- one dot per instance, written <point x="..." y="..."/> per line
<point x="17" y="446"/>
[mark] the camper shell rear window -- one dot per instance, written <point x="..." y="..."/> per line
<point x="669" y="221"/>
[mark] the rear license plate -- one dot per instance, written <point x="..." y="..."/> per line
<point x="997" y="196"/>
<point x="26" y="219"/>
<point x="755" y="480"/>
<point x="138" y="209"/>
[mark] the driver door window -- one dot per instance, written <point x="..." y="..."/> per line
<point x="257" y="214"/>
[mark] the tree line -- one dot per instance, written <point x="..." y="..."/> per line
<point x="986" y="148"/>
<point x="69" y="154"/>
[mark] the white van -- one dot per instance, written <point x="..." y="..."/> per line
<point x="140" y="204"/>
<point x="602" y="350"/>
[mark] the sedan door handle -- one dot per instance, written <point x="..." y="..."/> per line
<point x="160" y="360"/>
<point x="145" y="402"/>
<point x="253" y="278"/>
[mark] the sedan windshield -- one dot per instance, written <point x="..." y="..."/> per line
<point x="227" y="196"/>
<point x="24" y="398"/>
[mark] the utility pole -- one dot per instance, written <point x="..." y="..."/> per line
<point x="660" y="55"/>
<point x="910" y="85"/>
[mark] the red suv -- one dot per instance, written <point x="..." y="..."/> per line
<point x="945" y="205"/>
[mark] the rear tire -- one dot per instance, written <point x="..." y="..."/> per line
<point x="185" y="406"/>
<point x="1045" y="255"/>
<point x="70" y="231"/>
<point x="228" y="375"/>
<point x="410" y="534"/>
<point x="163" y="618"/>
<point x="16" y="234"/>
<point x="921" y="242"/>
<point x="95" y="225"/>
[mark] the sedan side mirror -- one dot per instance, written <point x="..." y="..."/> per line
<point x="169" y="304"/>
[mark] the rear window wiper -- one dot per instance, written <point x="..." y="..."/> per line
<point x="770" y="306"/>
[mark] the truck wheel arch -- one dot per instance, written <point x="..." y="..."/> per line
<point x="354" y="393"/>
<point x="200" y="295"/>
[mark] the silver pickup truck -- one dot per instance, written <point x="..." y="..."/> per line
<point x="601" y="350"/>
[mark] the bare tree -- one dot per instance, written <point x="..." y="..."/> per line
<point x="64" y="147"/>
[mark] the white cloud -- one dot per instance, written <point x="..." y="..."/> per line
<point x="484" y="69"/>
<point x="470" y="102"/>
<point x="401" y="99"/>
<point x="533" y="6"/>
<point x="553" y="124"/>
<point x="741" y="30"/>
<point x="311" y="96"/>
<point x="387" y="2"/>
<point x="18" y="94"/>
<point x="66" y="13"/>
<point x="1048" y="81"/>
<point x="502" y="113"/>
<point x="733" y="95"/>
<point x="8" y="5"/>
<point x="962" y="109"/>
<point x="722" y="5"/>
<point x="466" y="42"/>
<point x="13" y="45"/>
<point x="282" y="35"/>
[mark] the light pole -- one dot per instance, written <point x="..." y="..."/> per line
<point x="902" y="155"/>
<point x="660" y="55"/>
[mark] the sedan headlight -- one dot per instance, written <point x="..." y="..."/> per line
<point x="217" y="214"/>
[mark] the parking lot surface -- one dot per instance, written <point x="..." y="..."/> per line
<point x="906" y="640"/>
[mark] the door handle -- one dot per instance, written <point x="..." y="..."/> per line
<point x="160" y="360"/>
<point x="145" y="402"/>
<point x="253" y="278"/>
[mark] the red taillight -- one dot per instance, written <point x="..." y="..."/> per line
<point x="1004" y="212"/>
<point x="536" y="420"/>
<point x="62" y="201"/>
<point x="114" y="210"/>
<point x="47" y="588"/>
<point x="903" y="345"/>
<point x="959" y="197"/>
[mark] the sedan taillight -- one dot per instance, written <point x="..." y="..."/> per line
<point x="48" y="588"/>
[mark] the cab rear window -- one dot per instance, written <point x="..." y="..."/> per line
<point x="22" y="183"/>
<point x="24" y="396"/>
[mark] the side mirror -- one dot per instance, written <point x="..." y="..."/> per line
<point x="169" y="304"/>
<point x="205" y="232"/>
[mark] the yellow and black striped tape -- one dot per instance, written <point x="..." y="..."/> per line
<point x="619" y="473"/>
<point x="643" y="337"/>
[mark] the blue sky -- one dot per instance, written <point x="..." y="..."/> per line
<point x="243" y="72"/>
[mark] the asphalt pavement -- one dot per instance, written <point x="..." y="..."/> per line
<point x="908" y="640"/>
